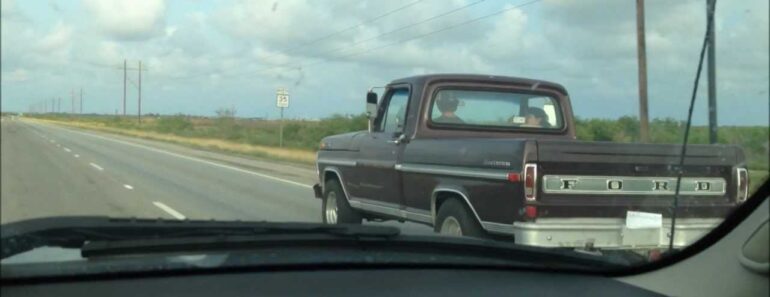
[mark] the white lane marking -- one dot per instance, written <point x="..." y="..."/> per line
<point x="67" y="150"/>
<point x="77" y="156"/>
<point x="52" y="141"/>
<point x="58" y="145"/>
<point x="96" y="166"/>
<point x="169" y="210"/>
<point x="193" y="159"/>
<point x="128" y="187"/>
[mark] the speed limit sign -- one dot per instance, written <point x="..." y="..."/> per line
<point x="282" y="98"/>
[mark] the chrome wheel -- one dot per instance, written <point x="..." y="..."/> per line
<point x="451" y="227"/>
<point x="330" y="212"/>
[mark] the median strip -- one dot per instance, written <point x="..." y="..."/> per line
<point x="169" y="210"/>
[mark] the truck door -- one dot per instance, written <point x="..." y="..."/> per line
<point x="380" y="150"/>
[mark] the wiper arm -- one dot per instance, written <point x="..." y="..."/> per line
<point x="75" y="232"/>
<point x="706" y="43"/>
<point x="101" y="236"/>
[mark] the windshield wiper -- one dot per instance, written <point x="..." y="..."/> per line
<point x="76" y="232"/>
<point x="706" y="44"/>
<point x="104" y="237"/>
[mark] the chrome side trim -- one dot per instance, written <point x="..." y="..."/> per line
<point x="335" y="161"/>
<point x="454" y="171"/>
<point x="368" y="206"/>
<point x="498" y="228"/>
<point x="438" y="190"/>
<point x="418" y="215"/>
<point x="390" y="209"/>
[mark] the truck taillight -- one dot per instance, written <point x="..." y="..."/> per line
<point x="742" y="181"/>
<point x="530" y="182"/>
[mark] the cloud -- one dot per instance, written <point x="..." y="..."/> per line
<point x="59" y="38"/>
<point x="18" y="75"/>
<point x="135" y="20"/>
<point x="326" y="51"/>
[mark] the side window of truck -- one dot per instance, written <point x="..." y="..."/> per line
<point x="395" y="115"/>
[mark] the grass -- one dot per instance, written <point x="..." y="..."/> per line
<point x="287" y="154"/>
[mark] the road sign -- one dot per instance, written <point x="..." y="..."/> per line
<point x="282" y="98"/>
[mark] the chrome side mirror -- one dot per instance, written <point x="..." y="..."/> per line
<point x="371" y="108"/>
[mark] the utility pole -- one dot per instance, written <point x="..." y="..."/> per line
<point x="53" y="105"/>
<point x="644" y="122"/>
<point x="712" y="72"/>
<point x="58" y="106"/>
<point x="81" y="100"/>
<point x="125" y="72"/>
<point x="139" y="109"/>
<point x="72" y="104"/>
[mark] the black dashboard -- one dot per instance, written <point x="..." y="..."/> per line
<point x="343" y="282"/>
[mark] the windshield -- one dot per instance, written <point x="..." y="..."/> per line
<point x="576" y="129"/>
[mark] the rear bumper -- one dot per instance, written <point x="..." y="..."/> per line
<point x="609" y="233"/>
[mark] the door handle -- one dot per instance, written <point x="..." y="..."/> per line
<point x="399" y="140"/>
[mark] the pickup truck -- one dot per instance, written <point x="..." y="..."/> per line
<point x="497" y="157"/>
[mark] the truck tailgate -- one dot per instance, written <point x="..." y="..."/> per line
<point x="607" y="179"/>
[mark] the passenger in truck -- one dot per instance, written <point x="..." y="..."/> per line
<point x="536" y="118"/>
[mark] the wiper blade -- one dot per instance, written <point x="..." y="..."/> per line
<point x="75" y="232"/>
<point x="101" y="236"/>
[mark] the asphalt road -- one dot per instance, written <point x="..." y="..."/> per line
<point x="49" y="170"/>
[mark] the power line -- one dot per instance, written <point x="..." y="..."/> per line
<point x="464" y="23"/>
<point x="411" y="25"/>
<point x="327" y="36"/>
<point x="355" y="26"/>
<point x="440" y="30"/>
<point x="387" y="33"/>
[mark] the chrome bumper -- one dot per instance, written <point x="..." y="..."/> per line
<point x="609" y="233"/>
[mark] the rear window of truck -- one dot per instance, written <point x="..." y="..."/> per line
<point x="500" y="109"/>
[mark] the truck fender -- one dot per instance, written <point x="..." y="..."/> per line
<point x="440" y="192"/>
<point x="334" y="172"/>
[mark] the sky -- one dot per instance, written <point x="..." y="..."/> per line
<point x="200" y="56"/>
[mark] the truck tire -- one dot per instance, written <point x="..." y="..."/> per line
<point x="455" y="219"/>
<point x="335" y="208"/>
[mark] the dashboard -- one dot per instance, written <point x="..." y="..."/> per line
<point x="349" y="282"/>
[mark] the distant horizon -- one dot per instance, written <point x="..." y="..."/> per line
<point x="349" y="115"/>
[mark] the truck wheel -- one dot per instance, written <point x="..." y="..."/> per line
<point x="335" y="208"/>
<point x="455" y="219"/>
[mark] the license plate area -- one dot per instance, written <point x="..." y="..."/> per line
<point x="642" y="229"/>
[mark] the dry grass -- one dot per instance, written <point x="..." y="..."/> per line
<point x="288" y="154"/>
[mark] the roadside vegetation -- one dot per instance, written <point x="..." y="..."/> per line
<point x="301" y="137"/>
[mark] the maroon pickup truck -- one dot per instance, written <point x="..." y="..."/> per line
<point x="492" y="156"/>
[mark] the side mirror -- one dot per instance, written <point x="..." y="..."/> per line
<point x="371" y="108"/>
<point x="371" y="104"/>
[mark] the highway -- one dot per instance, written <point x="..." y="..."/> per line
<point x="51" y="170"/>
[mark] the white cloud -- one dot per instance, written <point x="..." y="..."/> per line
<point x="59" y="38"/>
<point x="246" y="48"/>
<point x="129" y="20"/>
<point x="18" y="75"/>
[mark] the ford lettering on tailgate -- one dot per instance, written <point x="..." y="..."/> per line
<point x="631" y="185"/>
